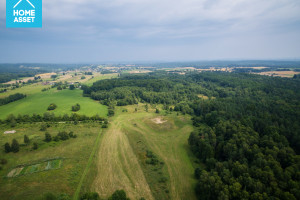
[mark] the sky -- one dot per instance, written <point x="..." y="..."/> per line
<point x="91" y="31"/>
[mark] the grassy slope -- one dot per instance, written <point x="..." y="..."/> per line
<point x="28" y="90"/>
<point x="63" y="180"/>
<point x="98" y="77"/>
<point x="38" y="103"/>
<point x="119" y="166"/>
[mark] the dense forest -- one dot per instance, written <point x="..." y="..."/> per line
<point x="247" y="130"/>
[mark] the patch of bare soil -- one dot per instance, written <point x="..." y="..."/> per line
<point x="158" y="120"/>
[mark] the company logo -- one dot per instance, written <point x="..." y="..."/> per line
<point x="23" y="13"/>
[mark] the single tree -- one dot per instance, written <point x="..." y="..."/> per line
<point x="7" y="147"/>
<point x="15" y="147"/>
<point x="157" y="110"/>
<point x="26" y="139"/>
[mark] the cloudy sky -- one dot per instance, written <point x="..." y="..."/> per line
<point x="155" y="30"/>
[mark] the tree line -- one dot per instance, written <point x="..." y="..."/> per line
<point x="11" y="98"/>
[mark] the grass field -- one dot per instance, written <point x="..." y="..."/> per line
<point x="75" y="151"/>
<point x="121" y="165"/>
<point x="64" y="99"/>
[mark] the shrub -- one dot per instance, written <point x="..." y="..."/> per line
<point x="43" y="127"/>
<point x="111" y="112"/>
<point x="72" y="87"/>
<point x="7" y="147"/>
<point x="3" y="161"/>
<point x="63" y="135"/>
<point x="118" y="195"/>
<point x="35" y="146"/>
<point x="90" y="196"/>
<point x="157" y="110"/>
<point x="52" y="106"/>
<point x="104" y="126"/>
<point x="56" y="138"/>
<point x="50" y="196"/>
<point x="48" y="137"/>
<point x="26" y="139"/>
<point x="76" y="108"/>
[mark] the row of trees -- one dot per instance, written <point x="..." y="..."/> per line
<point x="15" y="146"/>
<point x="11" y="98"/>
<point x="60" y="136"/>
<point x="49" y="117"/>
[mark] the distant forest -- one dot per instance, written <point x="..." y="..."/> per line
<point x="247" y="130"/>
<point x="10" y="72"/>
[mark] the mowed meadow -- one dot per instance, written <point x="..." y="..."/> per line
<point x="64" y="99"/>
<point x="147" y="155"/>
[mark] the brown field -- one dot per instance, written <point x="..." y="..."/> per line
<point x="287" y="74"/>
<point x="43" y="76"/>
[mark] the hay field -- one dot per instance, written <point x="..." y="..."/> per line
<point x="119" y="163"/>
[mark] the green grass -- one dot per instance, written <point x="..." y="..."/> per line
<point x="99" y="77"/>
<point x="86" y="170"/>
<point x="122" y="156"/>
<point x="27" y="89"/>
<point x="65" y="179"/>
<point x="64" y="99"/>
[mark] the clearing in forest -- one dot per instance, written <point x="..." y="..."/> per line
<point x="122" y="155"/>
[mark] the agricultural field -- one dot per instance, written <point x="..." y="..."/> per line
<point x="64" y="99"/>
<point x="54" y="166"/>
<point x="122" y="159"/>
<point x="286" y="74"/>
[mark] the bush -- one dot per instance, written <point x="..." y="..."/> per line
<point x="111" y="112"/>
<point x="76" y="108"/>
<point x="104" y="126"/>
<point x="3" y="161"/>
<point x="48" y="137"/>
<point x="50" y="196"/>
<point x="56" y="138"/>
<point x="26" y="139"/>
<point x="118" y="195"/>
<point x="43" y="127"/>
<point x="63" y="197"/>
<point x="52" y="106"/>
<point x="7" y="147"/>
<point x="63" y="135"/>
<point x="72" y="87"/>
<point x="35" y="146"/>
<point x="90" y="196"/>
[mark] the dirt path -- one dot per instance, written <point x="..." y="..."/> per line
<point x="118" y="167"/>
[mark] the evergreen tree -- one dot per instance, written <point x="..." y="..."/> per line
<point x="15" y="147"/>
<point x="7" y="147"/>
<point x="26" y="139"/>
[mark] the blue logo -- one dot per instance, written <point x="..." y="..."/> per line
<point x="23" y="13"/>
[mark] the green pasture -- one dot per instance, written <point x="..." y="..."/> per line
<point x="35" y="179"/>
<point x="64" y="99"/>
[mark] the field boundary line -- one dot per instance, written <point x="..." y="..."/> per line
<point x="77" y="192"/>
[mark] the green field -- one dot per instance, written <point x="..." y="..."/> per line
<point x="64" y="99"/>
<point x="121" y="162"/>
<point x="65" y="179"/>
